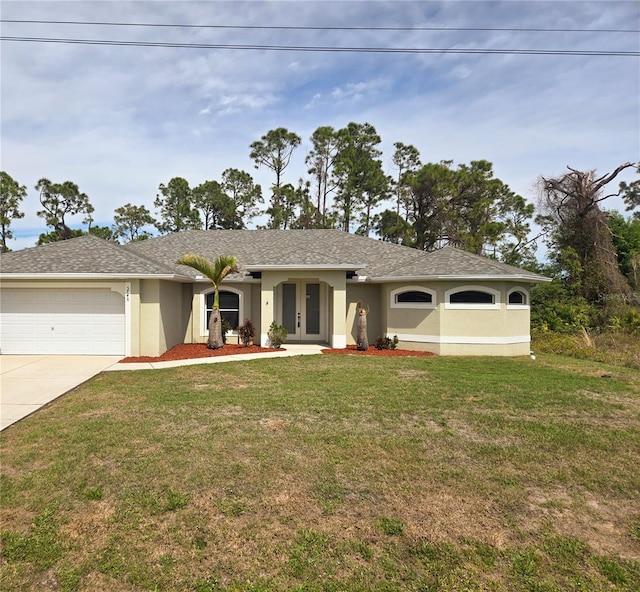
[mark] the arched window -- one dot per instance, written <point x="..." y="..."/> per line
<point x="229" y="308"/>
<point x="517" y="298"/>
<point x="413" y="297"/>
<point x="472" y="297"/>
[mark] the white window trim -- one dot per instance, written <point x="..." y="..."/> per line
<point x="524" y="306"/>
<point x="423" y="305"/>
<point x="204" y="330"/>
<point x="470" y="306"/>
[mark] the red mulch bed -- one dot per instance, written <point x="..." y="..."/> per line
<point x="188" y="351"/>
<point x="352" y="350"/>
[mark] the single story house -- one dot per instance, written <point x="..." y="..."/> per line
<point x="90" y="296"/>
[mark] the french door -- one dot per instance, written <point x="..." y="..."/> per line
<point x="302" y="311"/>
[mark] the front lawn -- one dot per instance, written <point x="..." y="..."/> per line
<point x="330" y="473"/>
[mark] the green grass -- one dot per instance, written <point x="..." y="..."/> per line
<point x="330" y="473"/>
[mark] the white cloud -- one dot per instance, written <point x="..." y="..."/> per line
<point x="120" y="120"/>
<point x="356" y="91"/>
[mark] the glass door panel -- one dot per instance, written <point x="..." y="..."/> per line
<point x="290" y="309"/>
<point x="312" y="310"/>
<point x="302" y="312"/>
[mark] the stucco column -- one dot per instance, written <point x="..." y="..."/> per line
<point x="134" y="318"/>
<point x="267" y="307"/>
<point x="338" y="321"/>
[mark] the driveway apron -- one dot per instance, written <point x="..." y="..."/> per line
<point x="30" y="382"/>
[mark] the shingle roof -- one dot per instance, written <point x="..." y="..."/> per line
<point x="83" y="255"/>
<point x="257" y="250"/>
<point x="261" y="249"/>
<point x="449" y="262"/>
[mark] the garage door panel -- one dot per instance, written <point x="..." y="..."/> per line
<point x="62" y="321"/>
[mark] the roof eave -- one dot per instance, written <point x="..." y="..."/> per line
<point x="94" y="276"/>
<point x="312" y="267"/>
<point x="463" y="277"/>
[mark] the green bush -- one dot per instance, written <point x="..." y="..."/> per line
<point x="277" y="334"/>
<point x="387" y="342"/>
<point x="226" y="327"/>
<point x="627" y="321"/>
<point x="554" y="309"/>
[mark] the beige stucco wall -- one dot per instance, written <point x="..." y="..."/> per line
<point x="164" y="316"/>
<point x="370" y="295"/>
<point x="501" y="330"/>
<point x="415" y="327"/>
<point x="254" y="308"/>
<point x="442" y="329"/>
<point x="249" y="308"/>
<point x="134" y="322"/>
<point x="174" y="316"/>
<point x="150" y="318"/>
<point x="161" y="314"/>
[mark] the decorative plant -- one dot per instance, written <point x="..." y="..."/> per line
<point x="216" y="271"/>
<point x="247" y="332"/>
<point x="387" y="342"/>
<point x="362" y="339"/>
<point x="226" y="327"/>
<point x="277" y="334"/>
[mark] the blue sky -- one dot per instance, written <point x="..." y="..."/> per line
<point x="118" y="121"/>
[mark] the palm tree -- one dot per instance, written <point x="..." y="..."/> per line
<point x="361" y="326"/>
<point x="216" y="271"/>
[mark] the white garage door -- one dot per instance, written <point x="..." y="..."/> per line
<point x="62" y="321"/>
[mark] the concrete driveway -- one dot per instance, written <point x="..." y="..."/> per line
<point x="30" y="382"/>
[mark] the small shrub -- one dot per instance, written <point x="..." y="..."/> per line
<point x="387" y="342"/>
<point x="247" y="332"/>
<point x="226" y="327"/>
<point x="277" y="334"/>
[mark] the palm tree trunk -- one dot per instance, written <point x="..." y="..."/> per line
<point x="215" y="330"/>
<point x="361" y="327"/>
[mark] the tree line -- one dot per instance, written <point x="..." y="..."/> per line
<point x="592" y="253"/>
<point x="422" y="205"/>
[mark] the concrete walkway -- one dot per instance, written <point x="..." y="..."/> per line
<point x="30" y="382"/>
<point x="287" y="351"/>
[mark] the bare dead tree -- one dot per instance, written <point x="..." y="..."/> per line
<point x="571" y="207"/>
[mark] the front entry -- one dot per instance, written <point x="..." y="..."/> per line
<point x="303" y="311"/>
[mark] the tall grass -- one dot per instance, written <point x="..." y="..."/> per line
<point x="614" y="347"/>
